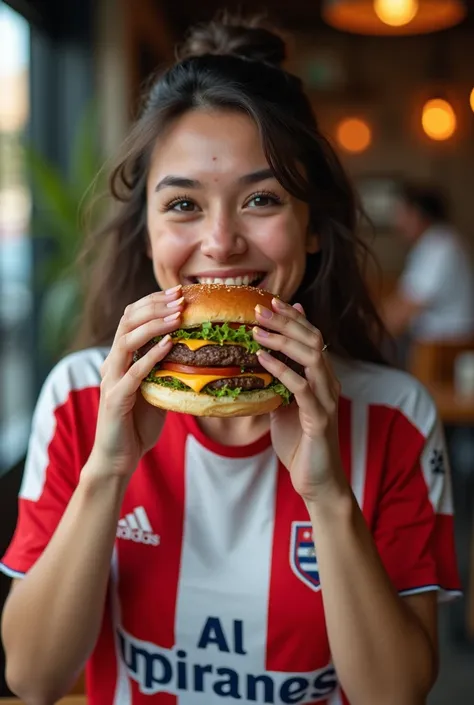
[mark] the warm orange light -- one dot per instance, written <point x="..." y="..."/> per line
<point x="396" y="13"/>
<point x="471" y="100"/>
<point x="354" y="135"/>
<point x="393" y="17"/>
<point x="438" y="119"/>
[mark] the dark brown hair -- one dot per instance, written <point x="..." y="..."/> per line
<point x="237" y="66"/>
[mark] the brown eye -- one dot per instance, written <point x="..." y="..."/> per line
<point x="183" y="206"/>
<point x="262" y="200"/>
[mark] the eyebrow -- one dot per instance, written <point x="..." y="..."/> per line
<point x="181" y="182"/>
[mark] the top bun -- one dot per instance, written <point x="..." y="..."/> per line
<point x="219" y="303"/>
<point x="230" y="35"/>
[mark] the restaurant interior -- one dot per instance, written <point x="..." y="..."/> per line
<point x="392" y="85"/>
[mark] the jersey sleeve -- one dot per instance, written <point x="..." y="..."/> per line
<point x="414" y="529"/>
<point x="60" y="440"/>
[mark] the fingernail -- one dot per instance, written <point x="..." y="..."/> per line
<point x="164" y="340"/>
<point x="263" y="355"/>
<point x="173" y="289"/>
<point x="278" y="303"/>
<point x="176" y="302"/>
<point x="264" y="312"/>
<point x="172" y="316"/>
<point x="261" y="332"/>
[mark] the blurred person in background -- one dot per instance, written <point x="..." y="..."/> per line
<point x="292" y="556"/>
<point x="434" y="303"/>
<point x="434" y="298"/>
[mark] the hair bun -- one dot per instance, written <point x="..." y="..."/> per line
<point x="234" y="36"/>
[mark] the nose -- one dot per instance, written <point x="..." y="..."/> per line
<point x="222" y="240"/>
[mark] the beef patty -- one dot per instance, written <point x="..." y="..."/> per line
<point x="245" y="383"/>
<point x="213" y="356"/>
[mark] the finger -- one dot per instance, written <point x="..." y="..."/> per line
<point x="316" y="373"/>
<point x="298" y="385"/>
<point x="127" y="343"/>
<point x="299" y="352"/>
<point x="153" y="305"/>
<point x="334" y="381"/>
<point x="156" y="306"/>
<point x="292" y="324"/>
<point x="281" y="307"/>
<point x="159" y="296"/>
<point x="152" y="310"/>
<point x="139" y="370"/>
<point x="299" y="308"/>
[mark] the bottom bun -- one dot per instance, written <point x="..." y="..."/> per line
<point x="254" y="403"/>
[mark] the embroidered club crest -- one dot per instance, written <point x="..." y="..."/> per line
<point x="303" y="559"/>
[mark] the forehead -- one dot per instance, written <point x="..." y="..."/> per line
<point x="217" y="141"/>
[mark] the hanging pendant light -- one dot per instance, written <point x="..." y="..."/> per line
<point x="392" y="17"/>
<point x="396" y="13"/>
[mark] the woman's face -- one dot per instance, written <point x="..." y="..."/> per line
<point x="216" y="213"/>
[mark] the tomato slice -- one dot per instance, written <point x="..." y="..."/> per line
<point x="191" y="370"/>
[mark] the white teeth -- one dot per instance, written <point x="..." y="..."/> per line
<point x="246" y="280"/>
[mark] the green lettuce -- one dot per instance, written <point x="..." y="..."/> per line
<point x="218" y="333"/>
<point x="225" y="391"/>
<point x="280" y="389"/>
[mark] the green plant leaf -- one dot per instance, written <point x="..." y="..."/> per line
<point x="85" y="164"/>
<point x="61" y="200"/>
<point x="56" y="203"/>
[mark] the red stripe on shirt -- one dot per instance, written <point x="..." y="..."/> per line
<point x="101" y="671"/>
<point x="163" y="472"/>
<point x="292" y="645"/>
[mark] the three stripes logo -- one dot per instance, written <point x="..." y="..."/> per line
<point x="136" y="527"/>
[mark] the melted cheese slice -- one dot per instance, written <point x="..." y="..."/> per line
<point x="196" y="344"/>
<point x="198" y="382"/>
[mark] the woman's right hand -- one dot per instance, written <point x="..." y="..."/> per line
<point x="127" y="425"/>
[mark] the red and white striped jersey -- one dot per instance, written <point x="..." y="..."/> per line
<point x="214" y="590"/>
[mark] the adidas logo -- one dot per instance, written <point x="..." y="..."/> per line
<point x="136" y="527"/>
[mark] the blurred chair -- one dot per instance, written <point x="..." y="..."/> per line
<point x="432" y="362"/>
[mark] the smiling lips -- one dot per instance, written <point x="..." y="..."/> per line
<point x="248" y="279"/>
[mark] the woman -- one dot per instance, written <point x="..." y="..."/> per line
<point x="291" y="559"/>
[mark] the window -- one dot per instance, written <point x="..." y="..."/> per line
<point x="16" y="357"/>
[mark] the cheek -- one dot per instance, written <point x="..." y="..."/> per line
<point x="285" y="241"/>
<point x="168" y="249"/>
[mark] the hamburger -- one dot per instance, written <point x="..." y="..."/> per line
<point x="213" y="368"/>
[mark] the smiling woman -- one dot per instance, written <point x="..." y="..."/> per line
<point x="227" y="217"/>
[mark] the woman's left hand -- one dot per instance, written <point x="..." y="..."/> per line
<point x="305" y="433"/>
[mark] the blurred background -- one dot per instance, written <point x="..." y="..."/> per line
<point x="392" y="84"/>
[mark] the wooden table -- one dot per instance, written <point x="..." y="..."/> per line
<point x="453" y="408"/>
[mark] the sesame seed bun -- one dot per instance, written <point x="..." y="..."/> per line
<point x="218" y="303"/>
